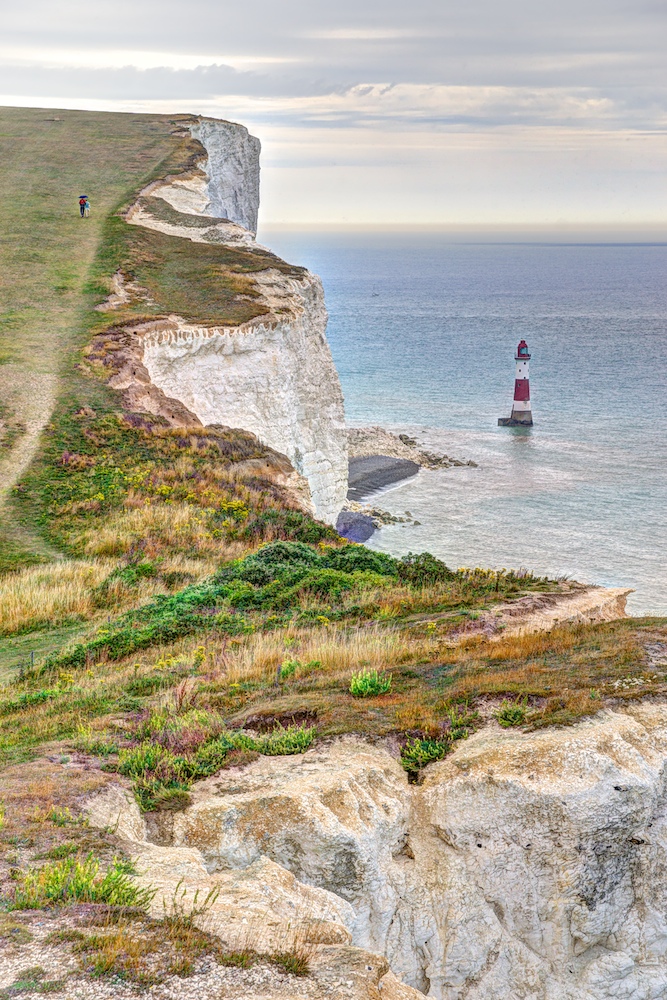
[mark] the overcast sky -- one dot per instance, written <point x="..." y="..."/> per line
<point x="384" y="111"/>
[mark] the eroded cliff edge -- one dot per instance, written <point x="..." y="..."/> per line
<point x="272" y="373"/>
<point x="527" y="865"/>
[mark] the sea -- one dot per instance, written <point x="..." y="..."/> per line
<point x="423" y="331"/>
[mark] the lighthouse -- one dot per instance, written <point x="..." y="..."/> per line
<point x="521" y="413"/>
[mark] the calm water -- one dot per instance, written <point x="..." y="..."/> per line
<point x="423" y="334"/>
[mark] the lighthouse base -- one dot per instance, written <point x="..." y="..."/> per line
<point x="517" y="420"/>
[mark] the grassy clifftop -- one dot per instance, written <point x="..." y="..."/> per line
<point x="139" y="600"/>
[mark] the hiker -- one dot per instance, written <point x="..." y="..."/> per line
<point x="84" y="205"/>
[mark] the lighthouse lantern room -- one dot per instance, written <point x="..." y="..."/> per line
<point x="521" y="412"/>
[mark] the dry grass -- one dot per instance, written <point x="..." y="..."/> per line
<point x="52" y="594"/>
<point x="40" y="798"/>
<point x="571" y="672"/>
<point x="44" y="595"/>
<point x="176" y="528"/>
<point x="333" y="652"/>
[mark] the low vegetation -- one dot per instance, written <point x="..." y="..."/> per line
<point x="290" y="583"/>
<point x="165" y="753"/>
<point x="119" y="943"/>
<point x="78" y="881"/>
<point x="369" y="684"/>
<point x="195" y="618"/>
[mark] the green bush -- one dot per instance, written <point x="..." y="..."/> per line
<point x="369" y="683"/>
<point x="274" y="580"/>
<point x="74" y="881"/>
<point x="288" y="668"/>
<point x="512" y="713"/>
<point x="423" y="570"/>
<point x="418" y="752"/>
<point x="359" y="559"/>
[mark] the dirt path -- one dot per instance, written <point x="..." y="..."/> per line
<point x="31" y="396"/>
<point x="46" y="252"/>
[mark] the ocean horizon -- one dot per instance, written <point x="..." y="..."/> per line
<point x="423" y="331"/>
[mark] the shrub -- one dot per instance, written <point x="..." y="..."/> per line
<point x="512" y="713"/>
<point x="423" y="570"/>
<point x="368" y="683"/>
<point x="74" y="881"/>
<point x="418" y="752"/>
<point x="357" y="558"/>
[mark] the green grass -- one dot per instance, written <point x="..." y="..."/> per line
<point x="73" y="881"/>
<point x="512" y="713"/>
<point x="206" y="282"/>
<point x="370" y="684"/>
<point x="289" y="581"/>
<point x="46" y="254"/>
<point x="16" y="651"/>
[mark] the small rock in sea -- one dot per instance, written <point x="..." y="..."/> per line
<point x="416" y="522"/>
<point x="408" y="513"/>
<point x="354" y="526"/>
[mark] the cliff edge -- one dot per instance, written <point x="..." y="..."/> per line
<point x="272" y="374"/>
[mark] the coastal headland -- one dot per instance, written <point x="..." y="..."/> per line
<point x="241" y="756"/>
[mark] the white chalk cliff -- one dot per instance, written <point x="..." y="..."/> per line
<point x="528" y="865"/>
<point x="274" y="375"/>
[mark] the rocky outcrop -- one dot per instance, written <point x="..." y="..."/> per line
<point x="367" y="442"/>
<point x="542" y="612"/>
<point x="529" y="865"/>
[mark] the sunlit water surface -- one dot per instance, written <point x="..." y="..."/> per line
<point x="423" y="334"/>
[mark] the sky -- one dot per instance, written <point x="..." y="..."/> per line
<point x="475" y="113"/>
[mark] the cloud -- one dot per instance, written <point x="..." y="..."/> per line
<point x="381" y="91"/>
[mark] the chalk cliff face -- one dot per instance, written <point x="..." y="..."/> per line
<point x="232" y="170"/>
<point x="273" y="376"/>
<point x="528" y="865"/>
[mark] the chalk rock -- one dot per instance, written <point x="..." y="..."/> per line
<point x="232" y="170"/>
<point x="274" y="377"/>
<point x="527" y="865"/>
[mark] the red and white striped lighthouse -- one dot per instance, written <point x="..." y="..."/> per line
<point x="521" y="412"/>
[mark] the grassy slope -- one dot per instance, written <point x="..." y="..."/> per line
<point x="130" y="500"/>
<point x="46" y="253"/>
<point x="105" y="486"/>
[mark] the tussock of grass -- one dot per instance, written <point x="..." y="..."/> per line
<point x="369" y="684"/>
<point x="44" y="595"/>
<point x="77" y="590"/>
<point x="73" y="881"/>
<point x="175" y="528"/>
